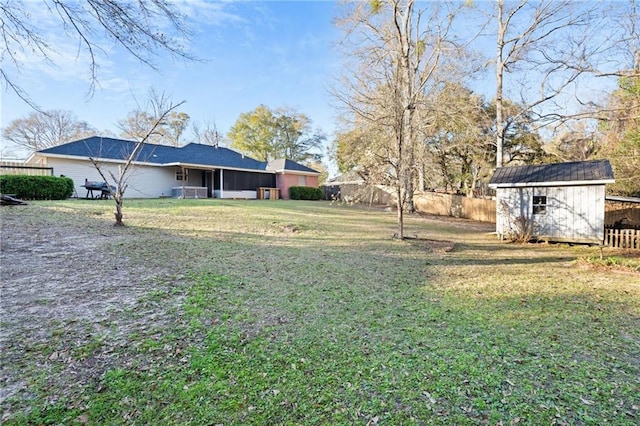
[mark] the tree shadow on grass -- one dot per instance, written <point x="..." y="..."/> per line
<point x="453" y="253"/>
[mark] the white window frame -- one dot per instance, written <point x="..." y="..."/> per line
<point x="540" y="204"/>
<point x="180" y="176"/>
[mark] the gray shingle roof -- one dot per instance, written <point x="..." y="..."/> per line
<point x="192" y="154"/>
<point x="555" y="173"/>
<point x="282" y="164"/>
<point x="208" y="155"/>
<point x="114" y="149"/>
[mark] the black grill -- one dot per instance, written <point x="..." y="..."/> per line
<point x="105" y="190"/>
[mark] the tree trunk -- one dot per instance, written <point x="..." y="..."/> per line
<point x="400" y="184"/>
<point x="421" y="181"/>
<point x="475" y="173"/>
<point x="400" y="213"/>
<point x="410" y="170"/>
<point x="410" y="189"/>
<point x="499" y="77"/>
<point x="118" y="213"/>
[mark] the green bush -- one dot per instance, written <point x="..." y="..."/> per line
<point x="36" y="187"/>
<point x="305" y="193"/>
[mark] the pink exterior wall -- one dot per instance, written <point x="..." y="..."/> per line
<point x="312" y="181"/>
<point x="285" y="181"/>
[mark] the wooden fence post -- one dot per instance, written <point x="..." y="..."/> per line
<point x="622" y="238"/>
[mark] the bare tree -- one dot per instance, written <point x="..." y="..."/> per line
<point x="161" y="108"/>
<point x="136" y="124"/>
<point x="46" y="129"/>
<point x="575" y="143"/>
<point x="208" y="134"/>
<point x="142" y="28"/>
<point x="398" y="51"/>
<point x="364" y="150"/>
<point x="545" y="41"/>
<point x="174" y="126"/>
<point x="169" y="130"/>
<point x="559" y="55"/>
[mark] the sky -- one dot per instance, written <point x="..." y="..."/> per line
<point x="251" y="53"/>
<point x="276" y="53"/>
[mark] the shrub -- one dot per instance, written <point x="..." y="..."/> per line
<point x="36" y="187"/>
<point x="305" y="193"/>
<point x="520" y="229"/>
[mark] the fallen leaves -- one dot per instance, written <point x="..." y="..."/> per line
<point x="586" y="401"/>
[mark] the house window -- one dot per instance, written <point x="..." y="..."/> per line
<point x="539" y="204"/>
<point x="182" y="176"/>
<point x="302" y="181"/>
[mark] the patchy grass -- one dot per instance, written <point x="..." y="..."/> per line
<point x="310" y="313"/>
<point x="621" y="262"/>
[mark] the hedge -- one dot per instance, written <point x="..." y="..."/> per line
<point x="36" y="187"/>
<point x="305" y="193"/>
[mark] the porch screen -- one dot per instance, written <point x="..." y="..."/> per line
<point x="246" y="181"/>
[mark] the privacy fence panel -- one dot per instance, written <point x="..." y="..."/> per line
<point x="18" y="168"/>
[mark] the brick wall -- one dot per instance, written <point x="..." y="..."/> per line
<point x="286" y="181"/>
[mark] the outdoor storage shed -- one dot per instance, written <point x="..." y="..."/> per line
<point x="555" y="202"/>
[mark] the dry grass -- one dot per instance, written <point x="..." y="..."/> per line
<point x="264" y="312"/>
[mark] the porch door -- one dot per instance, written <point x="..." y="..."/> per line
<point x="207" y="180"/>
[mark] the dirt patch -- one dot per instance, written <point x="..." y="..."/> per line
<point x="68" y="299"/>
<point x="429" y="245"/>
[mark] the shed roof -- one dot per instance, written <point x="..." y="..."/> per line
<point x="192" y="155"/>
<point x="554" y="174"/>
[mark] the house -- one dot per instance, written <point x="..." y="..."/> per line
<point x="557" y="202"/>
<point x="191" y="171"/>
<point x="352" y="188"/>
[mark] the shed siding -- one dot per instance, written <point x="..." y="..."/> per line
<point x="144" y="181"/>
<point x="557" y="220"/>
<point x="574" y="213"/>
<point x="512" y="203"/>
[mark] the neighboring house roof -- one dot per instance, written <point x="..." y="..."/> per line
<point x="288" y="165"/>
<point x="350" y="177"/>
<point x="633" y="200"/>
<point x="191" y="155"/>
<point x="555" y="174"/>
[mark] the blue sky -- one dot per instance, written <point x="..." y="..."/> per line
<point x="276" y="53"/>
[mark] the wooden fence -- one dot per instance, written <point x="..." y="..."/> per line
<point x="425" y="202"/>
<point x="622" y="238"/>
<point x="19" y="168"/>
<point x="456" y="206"/>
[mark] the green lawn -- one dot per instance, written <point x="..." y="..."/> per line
<point x="282" y="312"/>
